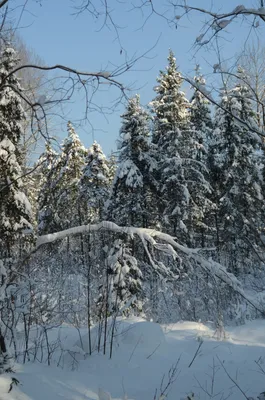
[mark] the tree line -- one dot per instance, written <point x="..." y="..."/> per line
<point x="183" y="168"/>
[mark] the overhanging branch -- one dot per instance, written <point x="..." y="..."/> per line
<point x="150" y="236"/>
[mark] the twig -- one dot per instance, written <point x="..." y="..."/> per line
<point x="196" y="353"/>
<point x="150" y="355"/>
<point x="232" y="380"/>
<point x="135" y="347"/>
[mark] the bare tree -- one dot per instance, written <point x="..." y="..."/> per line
<point x="48" y="89"/>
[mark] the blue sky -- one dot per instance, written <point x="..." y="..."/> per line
<point x="59" y="37"/>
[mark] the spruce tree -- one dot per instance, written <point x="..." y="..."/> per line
<point x="47" y="173"/>
<point x="129" y="203"/>
<point x="124" y="278"/>
<point x="58" y="199"/>
<point x="15" y="209"/>
<point x="70" y="166"/>
<point x="182" y="182"/>
<point x="200" y="118"/>
<point x="170" y="106"/>
<point x="235" y="176"/>
<point x="94" y="185"/>
<point x="112" y="164"/>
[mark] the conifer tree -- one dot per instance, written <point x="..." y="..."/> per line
<point x="200" y="118"/>
<point x="70" y="166"/>
<point x="170" y="106"/>
<point x="235" y="174"/>
<point x="182" y="183"/>
<point x="112" y="164"/>
<point x="15" y="209"/>
<point x="130" y="199"/>
<point x="94" y="185"/>
<point x="124" y="277"/>
<point x="58" y="205"/>
<point x="47" y="173"/>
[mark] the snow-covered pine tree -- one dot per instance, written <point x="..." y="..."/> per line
<point x="182" y="182"/>
<point x="170" y="109"/>
<point x="124" y="278"/>
<point x="94" y="185"/>
<point x="170" y="106"/>
<point x="47" y="173"/>
<point x="132" y="197"/>
<point x="15" y="209"/>
<point x="70" y="166"/>
<point x="112" y="164"/>
<point x="200" y="131"/>
<point x="235" y="176"/>
<point x="200" y="118"/>
<point x="130" y="201"/>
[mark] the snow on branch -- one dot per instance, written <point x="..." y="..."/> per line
<point x="218" y="22"/>
<point x="168" y="246"/>
<point x="143" y="233"/>
<point x="238" y="10"/>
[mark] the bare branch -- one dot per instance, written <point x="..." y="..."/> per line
<point x="3" y="2"/>
<point x="103" y="74"/>
<point x="231" y="379"/>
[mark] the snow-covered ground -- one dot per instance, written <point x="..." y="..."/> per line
<point x="144" y="354"/>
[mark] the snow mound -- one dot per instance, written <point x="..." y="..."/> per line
<point x="251" y="334"/>
<point x="134" y="332"/>
<point x="144" y="334"/>
<point x="188" y="330"/>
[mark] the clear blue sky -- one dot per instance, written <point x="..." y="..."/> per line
<point x="59" y="37"/>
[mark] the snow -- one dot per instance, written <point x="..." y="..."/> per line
<point x="199" y="38"/>
<point x="223" y="24"/>
<point x="239" y="9"/>
<point x="21" y="198"/>
<point x="147" y="335"/>
<point x="143" y="355"/>
<point x="42" y="100"/>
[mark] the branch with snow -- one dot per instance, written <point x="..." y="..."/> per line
<point x="218" y="22"/>
<point x="171" y="247"/>
<point x="222" y="18"/>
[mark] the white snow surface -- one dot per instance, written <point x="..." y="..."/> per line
<point x="143" y="354"/>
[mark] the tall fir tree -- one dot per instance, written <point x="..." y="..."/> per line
<point x="47" y="174"/>
<point x="182" y="183"/>
<point x="58" y="199"/>
<point x="235" y="176"/>
<point x="170" y="106"/>
<point x="94" y="185"/>
<point x="15" y="209"/>
<point x="200" y="118"/>
<point x="70" y="166"/>
<point x="130" y="201"/>
<point x="112" y="164"/>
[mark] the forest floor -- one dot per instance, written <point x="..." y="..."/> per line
<point x="142" y="364"/>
